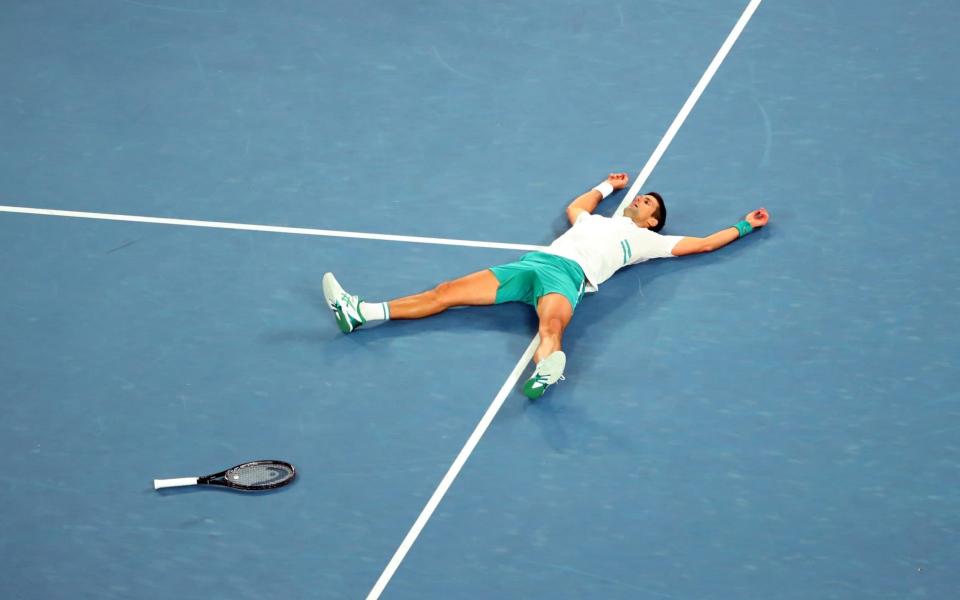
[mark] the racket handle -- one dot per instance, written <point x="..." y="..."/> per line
<point x="165" y="483"/>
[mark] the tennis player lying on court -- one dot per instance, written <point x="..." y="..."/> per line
<point x="552" y="281"/>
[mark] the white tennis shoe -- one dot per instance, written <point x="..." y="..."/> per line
<point x="548" y="372"/>
<point x="346" y="308"/>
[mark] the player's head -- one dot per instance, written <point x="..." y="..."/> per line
<point x="647" y="211"/>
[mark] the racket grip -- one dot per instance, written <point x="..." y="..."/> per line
<point x="180" y="481"/>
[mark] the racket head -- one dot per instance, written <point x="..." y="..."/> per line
<point x="253" y="476"/>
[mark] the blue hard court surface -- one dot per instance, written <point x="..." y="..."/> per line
<point x="775" y="420"/>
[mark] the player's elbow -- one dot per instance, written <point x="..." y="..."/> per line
<point x="572" y="213"/>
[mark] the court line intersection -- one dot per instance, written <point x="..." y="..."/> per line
<point x="642" y="177"/>
<point x="519" y="368"/>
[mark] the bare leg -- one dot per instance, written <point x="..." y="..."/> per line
<point x="476" y="289"/>
<point x="555" y="313"/>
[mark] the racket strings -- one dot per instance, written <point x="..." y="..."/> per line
<point x="256" y="475"/>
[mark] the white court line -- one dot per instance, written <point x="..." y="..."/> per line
<point x="689" y="104"/>
<point x="461" y="459"/>
<point x="267" y="228"/>
<point x="454" y="469"/>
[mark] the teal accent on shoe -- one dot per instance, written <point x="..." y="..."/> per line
<point x="345" y="322"/>
<point x="535" y="387"/>
<point x="548" y="372"/>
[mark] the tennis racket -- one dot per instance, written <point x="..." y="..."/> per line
<point x="253" y="476"/>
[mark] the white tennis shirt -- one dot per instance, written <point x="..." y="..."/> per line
<point x="603" y="245"/>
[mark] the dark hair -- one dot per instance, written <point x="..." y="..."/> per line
<point x="661" y="214"/>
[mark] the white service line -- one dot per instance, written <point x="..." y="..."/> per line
<point x="266" y="228"/>
<point x="488" y="416"/>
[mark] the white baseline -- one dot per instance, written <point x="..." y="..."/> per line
<point x="488" y="416"/>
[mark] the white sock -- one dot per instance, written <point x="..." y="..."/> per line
<point x="375" y="311"/>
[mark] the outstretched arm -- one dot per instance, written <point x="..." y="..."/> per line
<point x="695" y="245"/>
<point x="587" y="203"/>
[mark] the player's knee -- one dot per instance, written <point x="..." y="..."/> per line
<point x="551" y="327"/>
<point x="443" y="293"/>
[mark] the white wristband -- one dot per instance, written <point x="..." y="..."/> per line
<point x="605" y="188"/>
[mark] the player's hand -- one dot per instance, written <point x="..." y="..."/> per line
<point x="618" y="180"/>
<point x="757" y="218"/>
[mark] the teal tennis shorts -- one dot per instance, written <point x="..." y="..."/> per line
<point x="537" y="274"/>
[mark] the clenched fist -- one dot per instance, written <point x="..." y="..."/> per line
<point x="757" y="218"/>
<point x="618" y="180"/>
